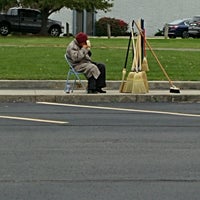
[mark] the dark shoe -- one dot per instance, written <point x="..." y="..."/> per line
<point x="92" y="92"/>
<point x="101" y="91"/>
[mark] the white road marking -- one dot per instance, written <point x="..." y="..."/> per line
<point x="123" y="109"/>
<point x="33" y="119"/>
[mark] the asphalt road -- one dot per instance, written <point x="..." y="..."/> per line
<point x="96" y="152"/>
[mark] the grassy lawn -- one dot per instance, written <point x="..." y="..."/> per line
<point x="42" y="58"/>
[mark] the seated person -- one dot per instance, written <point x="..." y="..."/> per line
<point x="79" y="55"/>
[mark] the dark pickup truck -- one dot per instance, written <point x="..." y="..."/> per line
<point x="26" y="20"/>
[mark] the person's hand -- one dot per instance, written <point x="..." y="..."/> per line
<point x="88" y="43"/>
<point x="85" y="46"/>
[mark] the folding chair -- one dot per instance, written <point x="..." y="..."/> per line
<point x="76" y="74"/>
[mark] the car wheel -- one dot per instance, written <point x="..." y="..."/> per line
<point x="192" y="36"/>
<point x="185" y="34"/>
<point x="4" y="29"/>
<point x="55" y="31"/>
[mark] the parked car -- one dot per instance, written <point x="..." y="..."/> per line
<point x="178" y="28"/>
<point x="26" y="20"/>
<point x="194" y="29"/>
<point x="196" y="18"/>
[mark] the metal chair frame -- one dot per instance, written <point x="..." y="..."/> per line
<point x="76" y="75"/>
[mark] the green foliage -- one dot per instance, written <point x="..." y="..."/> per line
<point x="5" y="4"/>
<point x="118" y="26"/>
<point x="47" y="7"/>
<point x="50" y="6"/>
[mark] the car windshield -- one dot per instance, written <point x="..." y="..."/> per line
<point x="178" y="21"/>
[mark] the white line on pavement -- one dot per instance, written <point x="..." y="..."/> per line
<point x="33" y="119"/>
<point x="123" y="109"/>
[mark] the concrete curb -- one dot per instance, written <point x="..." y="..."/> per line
<point x="80" y="96"/>
<point x="111" y="85"/>
<point x="52" y="91"/>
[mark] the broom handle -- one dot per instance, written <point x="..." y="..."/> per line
<point x="142" y="40"/>
<point x="134" y="48"/>
<point x="124" y="68"/>
<point x="145" y="53"/>
<point x="149" y="46"/>
<point x="129" y="43"/>
<point x="139" y="48"/>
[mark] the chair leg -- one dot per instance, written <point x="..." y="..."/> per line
<point x="78" y="78"/>
<point x="67" y="81"/>
<point x="73" y="84"/>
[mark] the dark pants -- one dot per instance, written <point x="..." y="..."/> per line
<point x="100" y="82"/>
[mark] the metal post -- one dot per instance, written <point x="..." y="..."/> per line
<point x="67" y="29"/>
<point x="166" y="30"/>
<point x="108" y="31"/>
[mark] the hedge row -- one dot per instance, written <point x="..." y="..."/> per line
<point x="117" y="27"/>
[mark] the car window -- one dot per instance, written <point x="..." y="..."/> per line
<point x="196" y="18"/>
<point x="38" y="16"/>
<point x="13" y="12"/>
<point x="176" y="22"/>
<point x="29" y="13"/>
<point x="187" y="22"/>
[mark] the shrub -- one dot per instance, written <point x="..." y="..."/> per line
<point x="118" y="27"/>
<point x="159" y="33"/>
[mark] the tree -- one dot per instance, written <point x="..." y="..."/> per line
<point x="47" y="7"/>
<point x="5" y="4"/>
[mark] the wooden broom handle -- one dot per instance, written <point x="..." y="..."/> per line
<point x="149" y="46"/>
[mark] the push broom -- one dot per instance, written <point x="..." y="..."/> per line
<point x="144" y="76"/>
<point x="135" y="83"/>
<point x="130" y="77"/>
<point x="123" y="83"/>
<point x="173" y="88"/>
<point x="140" y="75"/>
<point x="138" y="86"/>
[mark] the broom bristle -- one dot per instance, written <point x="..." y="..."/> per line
<point x="174" y="89"/>
<point x="138" y="84"/>
<point x="145" y="66"/>
<point x="144" y="76"/>
<point x="121" y="88"/>
<point x="129" y="82"/>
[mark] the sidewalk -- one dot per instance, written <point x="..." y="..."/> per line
<point x="52" y="91"/>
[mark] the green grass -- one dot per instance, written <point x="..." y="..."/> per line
<point x="42" y="58"/>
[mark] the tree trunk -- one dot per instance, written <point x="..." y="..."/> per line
<point x="44" y="15"/>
